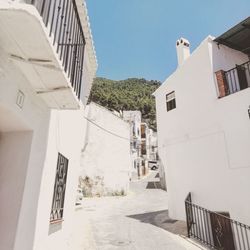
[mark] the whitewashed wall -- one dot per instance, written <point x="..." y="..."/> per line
<point x="30" y="139"/>
<point x="107" y="150"/>
<point x="134" y="119"/>
<point x="66" y="135"/>
<point x="22" y="148"/>
<point x="152" y="145"/>
<point x="204" y="142"/>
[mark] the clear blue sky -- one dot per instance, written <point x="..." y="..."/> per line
<point x="136" y="38"/>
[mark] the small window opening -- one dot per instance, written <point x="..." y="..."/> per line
<point x="170" y="101"/>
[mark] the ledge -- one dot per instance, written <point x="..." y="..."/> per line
<point x="56" y="221"/>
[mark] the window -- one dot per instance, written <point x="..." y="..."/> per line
<point x="143" y="148"/>
<point x="59" y="189"/>
<point x="170" y="101"/>
<point x="143" y="131"/>
<point x="133" y="129"/>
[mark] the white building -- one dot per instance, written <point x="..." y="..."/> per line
<point x="134" y="119"/>
<point x="47" y="64"/>
<point x="203" y="120"/>
<point x="152" y="145"/>
<point x="106" y="159"/>
<point x="145" y="147"/>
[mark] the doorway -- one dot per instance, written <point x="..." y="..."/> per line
<point x="222" y="231"/>
<point x="15" y="145"/>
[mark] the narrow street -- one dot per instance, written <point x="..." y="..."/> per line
<point x="135" y="222"/>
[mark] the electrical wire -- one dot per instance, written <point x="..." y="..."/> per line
<point x="104" y="129"/>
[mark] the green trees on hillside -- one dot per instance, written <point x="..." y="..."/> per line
<point x="129" y="94"/>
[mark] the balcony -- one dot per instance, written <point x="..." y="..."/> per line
<point x="45" y="40"/>
<point x="233" y="80"/>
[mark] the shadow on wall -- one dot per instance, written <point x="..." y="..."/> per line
<point x="15" y="149"/>
<point x="53" y="228"/>
<point x="161" y="219"/>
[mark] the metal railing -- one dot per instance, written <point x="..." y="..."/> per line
<point x="63" y="22"/>
<point x="238" y="78"/>
<point x="215" y="230"/>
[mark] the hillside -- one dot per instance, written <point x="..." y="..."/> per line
<point x="129" y="94"/>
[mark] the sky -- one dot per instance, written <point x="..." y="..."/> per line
<point x="136" y="38"/>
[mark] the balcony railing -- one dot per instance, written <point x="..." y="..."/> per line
<point x="237" y="78"/>
<point x="63" y="22"/>
<point x="215" y="230"/>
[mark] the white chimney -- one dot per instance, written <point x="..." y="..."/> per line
<point x="183" y="50"/>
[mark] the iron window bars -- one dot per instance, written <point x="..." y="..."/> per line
<point x="59" y="189"/>
<point x="215" y="230"/>
<point x="238" y="78"/>
<point x="63" y="22"/>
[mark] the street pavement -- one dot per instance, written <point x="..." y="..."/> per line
<point x="134" y="222"/>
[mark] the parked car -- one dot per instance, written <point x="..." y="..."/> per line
<point x="153" y="165"/>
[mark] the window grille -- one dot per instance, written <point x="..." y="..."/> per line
<point x="59" y="189"/>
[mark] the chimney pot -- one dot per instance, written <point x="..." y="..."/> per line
<point x="183" y="50"/>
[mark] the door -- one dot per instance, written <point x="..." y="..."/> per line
<point x="222" y="231"/>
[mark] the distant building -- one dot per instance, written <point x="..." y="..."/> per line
<point x="47" y="65"/>
<point x="152" y="146"/>
<point x="145" y="152"/>
<point x="143" y="143"/>
<point x="106" y="160"/>
<point x="134" y="119"/>
<point x="203" y="120"/>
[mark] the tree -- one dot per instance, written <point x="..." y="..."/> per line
<point x="129" y="94"/>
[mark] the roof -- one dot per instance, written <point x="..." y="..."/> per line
<point x="238" y="37"/>
<point x="84" y="18"/>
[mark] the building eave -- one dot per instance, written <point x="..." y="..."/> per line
<point x="90" y="47"/>
<point x="237" y="37"/>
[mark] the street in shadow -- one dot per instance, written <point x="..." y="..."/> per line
<point x="153" y="185"/>
<point x="157" y="175"/>
<point x="161" y="219"/>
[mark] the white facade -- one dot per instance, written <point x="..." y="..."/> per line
<point x="152" y="145"/>
<point x="41" y="116"/>
<point x="204" y="142"/>
<point x="145" y="147"/>
<point x="134" y="119"/>
<point x="106" y="154"/>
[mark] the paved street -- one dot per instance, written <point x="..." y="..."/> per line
<point x="135" y="222"/>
